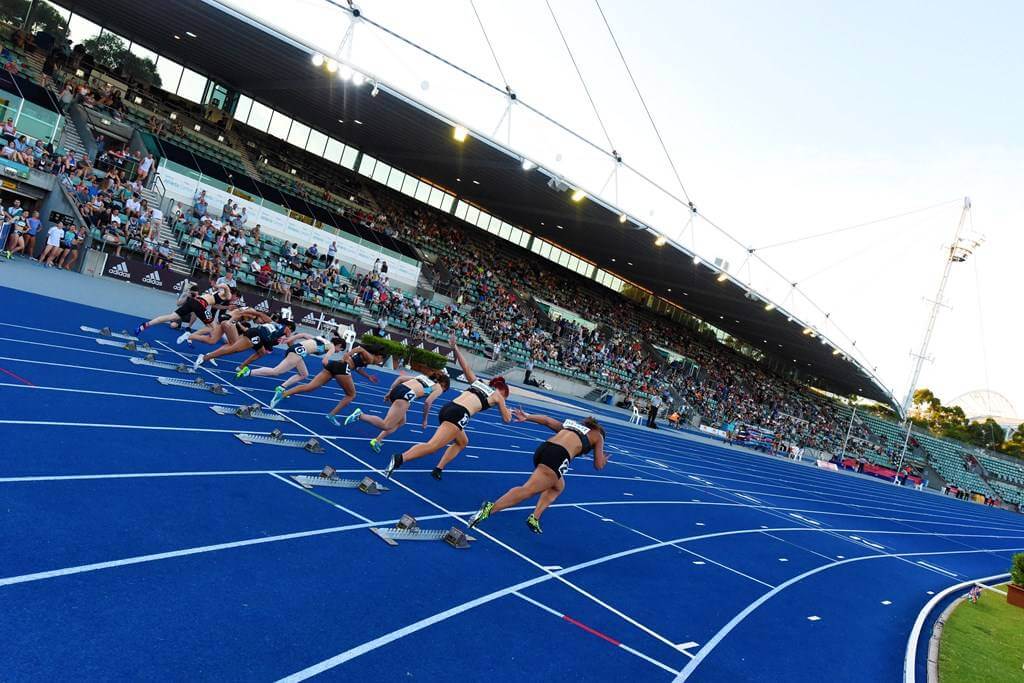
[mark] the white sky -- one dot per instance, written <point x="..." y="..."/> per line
<point x="784" y="119"/>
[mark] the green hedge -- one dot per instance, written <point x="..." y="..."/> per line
<point x="1017" y="570"/>
<point x="407" y="353"/>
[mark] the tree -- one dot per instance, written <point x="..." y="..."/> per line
<point x="44" y="17"/>
<point x="12" y="12"/>
<point x="112" y="53"/>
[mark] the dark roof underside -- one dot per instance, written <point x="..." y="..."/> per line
<point x="279" y="74"/>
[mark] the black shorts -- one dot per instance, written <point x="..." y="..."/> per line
<point x="553" y="456"/>
<point x="401" y="393"/>
<point x="260" y="339"/>
<point x="338" y="368"/>
<point x="197" y="307"/>
<point x="455" y="414"/>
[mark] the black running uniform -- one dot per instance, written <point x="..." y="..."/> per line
<point x="404" y="393"/>
<point x="266" y="336"/>
<point x="557" y="457"/>
<point x="457" y="414"/>
<point x="342" y="368"/>
<point x="195" y="305"/>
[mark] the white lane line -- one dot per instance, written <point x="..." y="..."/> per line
<point x="461" y="518"/>
<point x="753" y="500"/>
<point x="475" y="457"/>
<point x="805" y="519"/>
<point x="683" y="647"/>
<point x="814" y="617"/>
<point x="336" y="505"/>
<point x="659" y="464"/>
<point x="622" y="646"/>
<point x="928" y="565"/>
<point x="627" y="494"/>
<point x="552" y="567"/>
<point x="745" y="612"/>
<point x="886" y="602"/>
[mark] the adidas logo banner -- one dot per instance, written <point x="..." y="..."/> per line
<point x="310" y="319"/>
<point x="119" y="270"/>
<point x="241" y="301"/>
<point x="153" y="279"/>
<point x="263" y="306"/>
<point x="181" y="286"/>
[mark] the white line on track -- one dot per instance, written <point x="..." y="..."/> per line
<point x="327" y="500"/>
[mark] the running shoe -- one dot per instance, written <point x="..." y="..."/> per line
<point x="278" y="396"/>
<point x="396" y="462"/>
<point x="243" y="371"/>
<point x="6" y="253"/>
<point x="183" y="337"/>
<point x="534" y="524"/>
<point x="140" y="329"/>
<point x="483" y="513"/>
<point x="197" y="362"/>
<point x="333" y="419"/>
<point x="353" y="417"/>
<point x="375" y="445"/>
<point x="436" y="473"/>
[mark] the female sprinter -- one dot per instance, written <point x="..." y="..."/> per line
<point x="454" y="416"/>
<point x="341" y="370"/>
<point x="302" y="345"/>
<point x="403" y="392"/>
<point x="227" y="325"/>
<point x="200" y="305"/>
<point x="261" y="339"/>
<point x="550" y="461"/>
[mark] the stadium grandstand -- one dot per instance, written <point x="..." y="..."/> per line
<point x="158" y="167"/>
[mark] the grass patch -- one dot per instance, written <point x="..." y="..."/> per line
<point x="984" y="642"/>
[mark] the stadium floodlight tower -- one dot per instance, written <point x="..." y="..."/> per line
<point x="959" y="251"/>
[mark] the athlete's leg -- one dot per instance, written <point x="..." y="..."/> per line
<point x="322" y="378"/>
<point x="547" y="496"/>
<point x="461" y="441"/>
<point x="284" y="366"/>
<point x="542" y="479"/>
<point x="349" y="387"/>
<point x="446" y="431"/>
<point x="301" y="372"/>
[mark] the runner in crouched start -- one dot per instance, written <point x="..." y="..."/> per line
<point x="454" y="417"/>
<point x="403" y="392"/>
<point x="551" y="460"/>
<point x="260" y="338"/>
<point x="340" y="369"/>
<point x="301" y="346"/>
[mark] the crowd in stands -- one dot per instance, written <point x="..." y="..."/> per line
<point x="496" y="288"/>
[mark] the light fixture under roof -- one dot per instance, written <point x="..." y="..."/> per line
<point x="332" y="66"/>
<point x="358" y="79"/>
<point x="459" y="133"/>
<point x="769" y="306"/>
<point x="528" y="165"/>
<point x="578" y="195"/>
<point x="345" y="72"/>
<point x="722" y="277"/>
<point x="476" y="182"/>
<point x="660" y="241"/>
<point x="317" y="59"/>
<point x="197" y="128"/>
<point x="190" y="34"/>
<point x="358" y="122"/>
<point x="696" y="260"/>
<point x="622" y="218"/>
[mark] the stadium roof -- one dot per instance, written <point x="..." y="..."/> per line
<point x="275" y="69"/>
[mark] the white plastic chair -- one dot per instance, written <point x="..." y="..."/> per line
<point x="635" y="417"/>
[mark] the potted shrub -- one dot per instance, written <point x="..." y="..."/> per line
<point x="419" y="360"/>
<point x="1015" y="589"/>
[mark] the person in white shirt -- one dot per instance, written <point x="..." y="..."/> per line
<point x="145" y="166"/>
<point x="53" y="238"/>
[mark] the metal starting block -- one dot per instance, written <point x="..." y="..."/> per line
<point x="275" y="438"/>
<point x="106" y="332"/>
<point x="329" y="479"/>
<point x="408" y="529"/>
<point x="128" y="346"/>
<point x="149" y="362"/>
<point x="197" y="383"/>
<point x="255" y="411"/>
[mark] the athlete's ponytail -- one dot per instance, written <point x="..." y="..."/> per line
<point x="592" y="423"/>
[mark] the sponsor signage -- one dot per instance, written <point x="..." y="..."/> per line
<point x="140" y="273"/>
<point x="714" y="431"/>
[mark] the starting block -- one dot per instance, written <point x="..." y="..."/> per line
<point x="408" y="529"/>
<point x="128" y="346"/>
<point x="149" y="362"/>
<point x="255" y="411"/>
<point x="276" y="438"/>
<point x="106" y="332"/>
<point x="197" y="383"/>
<point x="329" y="479"/>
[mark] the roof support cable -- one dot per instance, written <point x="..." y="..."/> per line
<point x="583" y="82"/>
<point x="643" y="102"/>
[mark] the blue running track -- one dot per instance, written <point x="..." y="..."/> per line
<point x="141" y="540"/>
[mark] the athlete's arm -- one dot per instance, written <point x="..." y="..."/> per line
<point x="506" y="414"/>
<point x="364" y="373"/>
<point x="470" y="375"/>
<point x="434" y="393"/>
<point x="549" y="422"/>
<point x="600" y="457"/>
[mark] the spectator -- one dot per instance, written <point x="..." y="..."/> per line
<point x="54" y="237"/>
